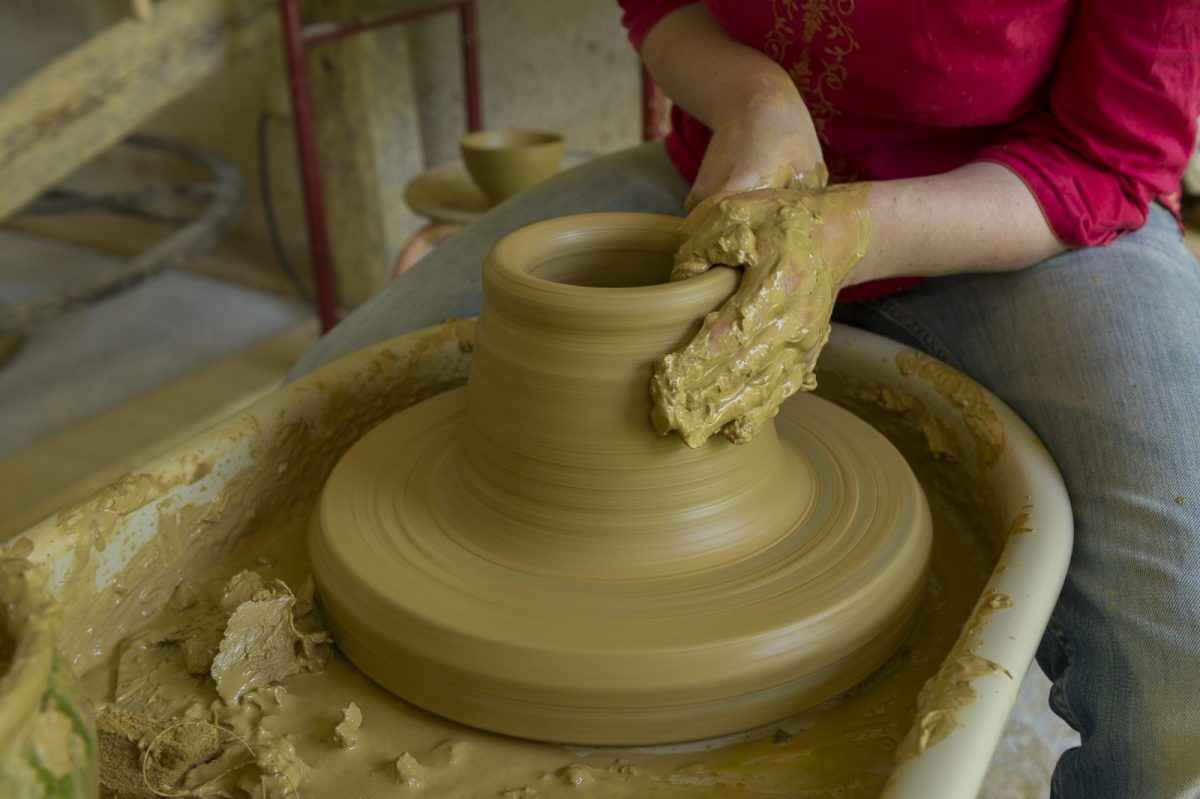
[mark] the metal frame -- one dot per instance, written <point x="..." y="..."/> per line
<point x="297" y="39"/>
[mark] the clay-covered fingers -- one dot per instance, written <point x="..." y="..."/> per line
<point x="726" y="371"/>
<point x="748" y="357"/>
<point x="795" y="371"/>
<point x="769" y="389"/>
<point x="734" y="393"/>
<point x="740" y="336"/>
<point x="796" y="248"/>
<point x="714" y="235"/>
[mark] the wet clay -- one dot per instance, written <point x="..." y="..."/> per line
<point x="952" y="688"/>
<point x="46" y="746"/>
<point x="843" y="749"/>
<point x="162" y="733"/>
<point x="977" y="413"/>
<point x="796" y="247"/>
<point x="527" y="556"/>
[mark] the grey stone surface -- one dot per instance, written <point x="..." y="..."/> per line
<point x="99" y="357"/>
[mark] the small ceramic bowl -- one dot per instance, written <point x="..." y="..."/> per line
<point x="506" y="162"/>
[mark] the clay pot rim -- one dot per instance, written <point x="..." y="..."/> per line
<point x="508" y="140"/>
<point x="507" y="272"/>
<point x="23" y="682"/>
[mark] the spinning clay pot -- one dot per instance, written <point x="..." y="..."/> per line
<point x="526" y="555"/>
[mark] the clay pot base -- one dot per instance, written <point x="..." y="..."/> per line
<point x="527" y="556"/>
<point x="527" y="644"/>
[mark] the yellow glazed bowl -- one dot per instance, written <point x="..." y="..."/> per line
<point x="506" y="162"/>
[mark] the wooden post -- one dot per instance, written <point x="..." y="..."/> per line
<point x="369" y="139"/>
<point x="85" y="101"/>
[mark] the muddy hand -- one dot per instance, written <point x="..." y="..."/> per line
<point x="761" y="346"/>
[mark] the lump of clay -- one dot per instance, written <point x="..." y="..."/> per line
<point x="346" y="733"/>
<point x="261" y="644"/>
<point x="146" y="757"/>
<point x="410" y="773"/>
<point x="253" y="633"/>
<point x="577" y="774"/>
<point x="242" y="587"/>
<point x="448" y="754"/>
<point x="280" y="769"/>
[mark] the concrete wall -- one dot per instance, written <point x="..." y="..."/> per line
<point x="562" y="65"/>
<point x="556" y="64"/>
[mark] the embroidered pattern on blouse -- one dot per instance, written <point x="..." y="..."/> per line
<point x="828" y="17"/>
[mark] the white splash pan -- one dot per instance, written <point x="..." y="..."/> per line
<point x="115" y="558"/>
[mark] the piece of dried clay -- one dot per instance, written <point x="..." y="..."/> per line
<point x="410" y="773"/>
<point x="261" y="646"/>
<point x="346" y="733"/>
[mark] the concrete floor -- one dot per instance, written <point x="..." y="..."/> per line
<point x="75" y="378"/>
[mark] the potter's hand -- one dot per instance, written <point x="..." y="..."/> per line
<point x="763" y="142"/>
<point x="797" y="249"/>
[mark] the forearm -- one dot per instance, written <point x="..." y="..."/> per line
<point x="763" y="135"/>
<point x="708" y="73"/>
<point x="977" y="218"/>
<point x="797" y="249"/>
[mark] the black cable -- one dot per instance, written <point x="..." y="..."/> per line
<point x="59" y="200"/>
<point x="226" y="198"/>
<point x="268" y="206"/>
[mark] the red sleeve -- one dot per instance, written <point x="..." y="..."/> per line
<point x="641" y="15"/>
<point x="1120" y="122"/>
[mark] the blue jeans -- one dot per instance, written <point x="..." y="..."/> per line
<point x="1096" y="350"/>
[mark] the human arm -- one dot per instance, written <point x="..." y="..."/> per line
<point x="762" y="346"/>
<point x="980" y="217"/>
<point x="798" y="249"/>
<point x="763" y="135"/>
<point x="1114" y="137"/>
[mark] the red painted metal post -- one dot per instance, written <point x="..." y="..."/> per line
<point x="296" y="40"/>
<point x="470" y="52"/>
<point x="310" y="168"/>
<point x="323" y="32"/>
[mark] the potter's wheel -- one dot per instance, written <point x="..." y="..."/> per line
<point x="526" y="556"/>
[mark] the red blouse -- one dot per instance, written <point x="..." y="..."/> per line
<point x="1093" y="103"/>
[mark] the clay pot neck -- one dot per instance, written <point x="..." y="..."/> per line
<point x="559" y="461"/>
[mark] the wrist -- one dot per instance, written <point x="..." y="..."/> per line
<point x="763" y="94"/>
<point x="880" y="205"/>
<point x="976" y="218"/>
<point x="846" y="231"/>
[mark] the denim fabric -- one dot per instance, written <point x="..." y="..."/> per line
<point x="1097" y="350"/>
